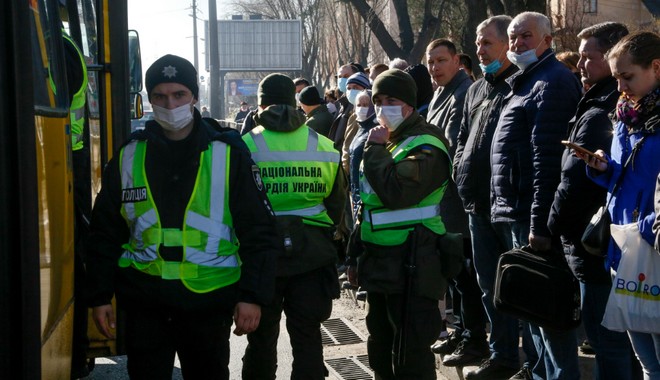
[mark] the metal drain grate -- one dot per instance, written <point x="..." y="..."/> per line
<point x="364" y="359"/>
<point x="351" y="368"/>
<point x="336" y="331"/>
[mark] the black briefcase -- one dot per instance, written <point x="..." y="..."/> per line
<point x="537" y="287"/>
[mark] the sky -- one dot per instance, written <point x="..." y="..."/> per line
<point x="166" y="27"/>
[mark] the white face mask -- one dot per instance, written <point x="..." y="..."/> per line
<point x="361" y="113"/>
<point x="525" y="59"/>
<point x="390" y="116"/>
<point x="174" y="119"/>
<point x="297" y="97"/>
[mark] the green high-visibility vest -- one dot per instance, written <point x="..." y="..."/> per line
<point x="298" y="169"/>
<point x="77" y="108"/>
<point x="388" y="227"/>
<point x="210" y="248"/>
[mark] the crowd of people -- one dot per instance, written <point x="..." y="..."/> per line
<point x="411" y="178"/>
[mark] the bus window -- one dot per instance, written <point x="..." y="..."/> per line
<point x="50" y="81"/>
<point x="40" y="66"/>
<point x="134" y="62"/>
<point x="89" y="45"/>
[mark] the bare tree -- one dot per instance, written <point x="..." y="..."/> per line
<point x="408" y="47"/>
<point x="567" y="23"/>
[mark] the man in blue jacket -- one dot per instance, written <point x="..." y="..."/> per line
<point x="526" y="162"/>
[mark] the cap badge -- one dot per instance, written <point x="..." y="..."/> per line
<point x="169" y="71"/>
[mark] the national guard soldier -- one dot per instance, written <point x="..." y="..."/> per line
<point x="307" y="188"/>
<point x="404" y="174"/>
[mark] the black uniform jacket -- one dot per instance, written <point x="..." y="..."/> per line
<point x="171" y="168"/>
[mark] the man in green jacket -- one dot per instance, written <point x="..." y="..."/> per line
<point x="404" y="175"/>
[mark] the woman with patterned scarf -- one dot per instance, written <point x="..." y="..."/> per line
<point x="635" y="63"/>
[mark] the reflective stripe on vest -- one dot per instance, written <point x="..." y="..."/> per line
<point x="263" y="154"/>
<point x="406" y="215"/>
<point x="309" y="211"/>
<point x="77" y="108"/>
<point x="298" y="171"/>
<point x="388" y="227"/>
<point x="210" y="259"/>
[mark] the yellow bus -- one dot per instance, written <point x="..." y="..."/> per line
<point x="36" y="176"/>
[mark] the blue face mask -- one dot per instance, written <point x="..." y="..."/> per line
<point x="492" y="67"/>
<point x="341" y="83"/>
<point x="352" y="94"/>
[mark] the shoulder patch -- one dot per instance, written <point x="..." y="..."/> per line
<point x="256" y="175"/>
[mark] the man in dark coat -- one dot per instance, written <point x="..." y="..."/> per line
<point x="446" y="111"/>
<point x="578" y="197"/>
<point x="318" y="116"/>
<point x="483" y="103"/>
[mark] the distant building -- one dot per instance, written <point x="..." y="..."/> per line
<point x="569" y="17"/>
<point x="643" y="14"/>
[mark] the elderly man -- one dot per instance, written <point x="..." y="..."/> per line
<point x="526" y="163"/>
<point x="578" y="198"/>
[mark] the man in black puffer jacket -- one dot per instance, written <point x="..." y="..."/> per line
<point x="578" y="197"/>
<point x="483" y="103"/>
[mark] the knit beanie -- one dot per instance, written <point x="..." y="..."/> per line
<point x="396" y="84"/>
<point x="420" y="75"/>
<point x="309" y="96"/>
<point x="172" y="69"/>
<point x="361" y="79"/>
<point x="276" y="89"/>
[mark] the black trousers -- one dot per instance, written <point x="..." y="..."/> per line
<point x="466" y="301"/>
<point x="384" y="321"/>
<point x="200" y="338"/>
<point x="306" y="299"/>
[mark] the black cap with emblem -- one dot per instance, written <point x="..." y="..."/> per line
<point x="172" y="69"/>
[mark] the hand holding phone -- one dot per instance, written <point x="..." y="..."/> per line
<point x="582" y="150"/>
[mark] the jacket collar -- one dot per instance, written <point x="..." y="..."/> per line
<point x="602" y="91"/>
<point x="494" y="80"/>
<point x="320" y="109"/>
<point x="545" y="59"/>
<point x="442" y="93"/>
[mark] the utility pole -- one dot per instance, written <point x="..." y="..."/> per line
<point x="217" y="110"/>
<point x="194" y="16"/>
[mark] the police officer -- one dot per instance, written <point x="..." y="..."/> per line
<point x="404" y="174"/>
<point x="307" y="188"/>
<point x="175" y="202"/>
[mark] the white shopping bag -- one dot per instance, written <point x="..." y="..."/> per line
<point x="634" y="301"/>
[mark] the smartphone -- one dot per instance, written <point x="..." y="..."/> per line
<point x="580" y="149"/>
